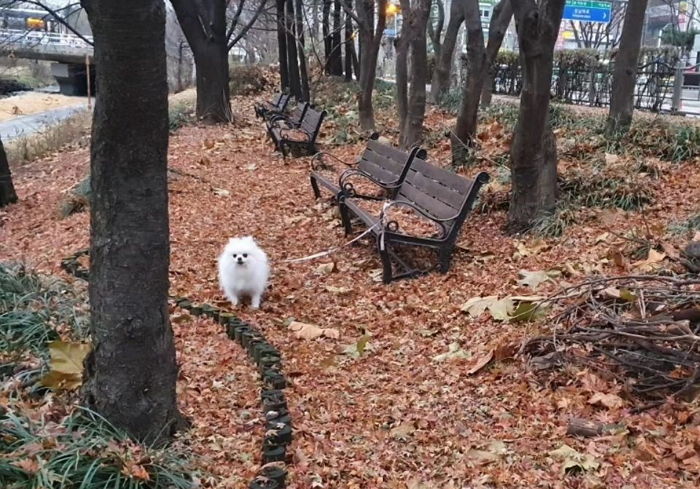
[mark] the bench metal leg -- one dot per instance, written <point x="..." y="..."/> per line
<point x="387" y="273"/>
<point x="314" y="186"/>
<point x="444" y="258"/>
<point x="345" y="217"/>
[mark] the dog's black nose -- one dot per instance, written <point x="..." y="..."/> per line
<point x="240" y="260"/>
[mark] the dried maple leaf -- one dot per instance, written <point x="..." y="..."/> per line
<point x="610" y="401"/>
<point x="135" y="471"/>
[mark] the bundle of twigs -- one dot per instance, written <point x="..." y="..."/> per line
<point x="644" y="330"/>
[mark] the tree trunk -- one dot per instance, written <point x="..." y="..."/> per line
<point x="303" y="73"/>
<point x="443" y="63"/>
<point x="327" y="41"/>
<point x="204" y="25"/>
<point x="7" y="189"/>
<point x="500" y="19"/>
<point x="131" y="370"/>
<point x="282" y="45"/>
<point x="348" y="42"/>
<point x="625" y="71"/>
<point x="292" y="55"/>
<point x="533" y="150"/>
<point x="369" y="42"/>
<point x="412" y="122"/>
<point x="402" y="45"/>
<point x="435" y="31"/>
<point x="336" y="65"/>
<point x="465" y="130"/>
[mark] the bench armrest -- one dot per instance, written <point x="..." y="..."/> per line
<point x="345" y="185"/>
<point x="317" y="160"/>
<point x="275" y="118"/>
<point x="403" y="203"/>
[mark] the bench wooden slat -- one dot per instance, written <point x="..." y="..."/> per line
<point x="431" y="205"/>
<point x="446" y="177"/>
<point x="377" y="171"/>
<point x="393" y="159"/>
<point x="372" y="159"/>
<point x="437" y="190"/>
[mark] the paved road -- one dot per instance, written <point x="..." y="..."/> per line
<point x="27" y="124"/>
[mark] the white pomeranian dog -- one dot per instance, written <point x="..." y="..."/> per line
<point x="243" y="271"/>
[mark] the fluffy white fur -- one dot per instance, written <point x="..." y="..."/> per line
<point x="243" y="271"/>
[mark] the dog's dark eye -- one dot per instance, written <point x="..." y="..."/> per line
<point x="245" y="255"/>
<point x="234" y="255"/>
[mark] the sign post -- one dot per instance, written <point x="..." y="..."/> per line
<point x="587" y="11"/>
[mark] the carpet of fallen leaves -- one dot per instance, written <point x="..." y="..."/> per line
<point x="414" y="393"/>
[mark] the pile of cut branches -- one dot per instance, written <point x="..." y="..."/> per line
<point x="643" y="330"/>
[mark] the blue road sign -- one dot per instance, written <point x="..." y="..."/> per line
<point x="587" y="11"/>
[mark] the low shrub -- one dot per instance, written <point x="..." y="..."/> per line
<point x="251" y="79"/>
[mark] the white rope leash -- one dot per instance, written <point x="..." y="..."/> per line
<point x="337" y="248"/>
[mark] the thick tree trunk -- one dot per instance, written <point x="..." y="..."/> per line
<point x="465" y="130"/>
<point x="402" y="45"/>
<point x="131" y="371"/>
<point x="369" y="42"/>
<point x="443" y="63"/>
<point x="292" y="55"/>
<point x="625" y="71"/>
<point x="416" y="18"/>
<point x="282" y="45"/>
<point x="7" y="189"/>
<point x="500" y="19"/>
<point x="348" y="41"/>
<point x="204" y="25"/>
<point x="303" y="73"/>
<point x="533" y="151"/>
<point x="336" y="61"/>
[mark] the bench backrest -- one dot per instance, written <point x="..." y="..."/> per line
<point x="311" y="123"/>
<point x="440" y="193"/>
<point x="386" y="163"/>
<point x="278" y="98"/>
<point x="299" y="112"/>
<point x="282" y="101"/>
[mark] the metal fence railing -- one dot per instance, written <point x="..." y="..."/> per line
<point x="587" y="80"/>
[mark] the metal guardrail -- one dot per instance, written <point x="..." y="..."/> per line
<point x="39" y="38"/>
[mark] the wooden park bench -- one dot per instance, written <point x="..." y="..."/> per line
<point x="300" y="138"/>
<point x="277" y="106"/>
<point x="380" y="163"/>
<point x="287" y="121"/>
<point x="438" y="196"/>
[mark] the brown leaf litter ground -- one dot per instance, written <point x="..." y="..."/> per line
<point x="395" y="416"/>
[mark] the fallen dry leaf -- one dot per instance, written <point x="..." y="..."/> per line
<point x="610" y="401"/>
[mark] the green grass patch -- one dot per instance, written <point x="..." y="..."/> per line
<point x="83" y="451"/>
<point x="32" y="307"/>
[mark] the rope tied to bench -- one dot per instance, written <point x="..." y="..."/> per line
<point x="335" y="249"/>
